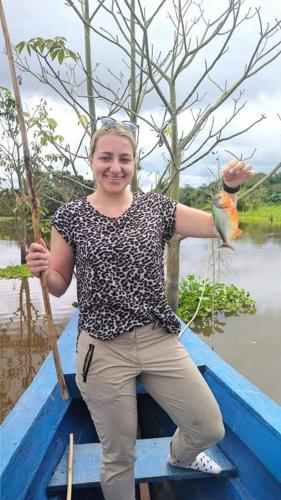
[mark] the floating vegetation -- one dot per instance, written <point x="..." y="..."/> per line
<point x="14" y="272"/>
<point x="228" y="300"/>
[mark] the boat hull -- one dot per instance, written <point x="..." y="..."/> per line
<point x="36" y="432"/>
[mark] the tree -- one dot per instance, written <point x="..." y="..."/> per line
<point x="192" y="35"/>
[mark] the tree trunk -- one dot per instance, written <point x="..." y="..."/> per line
<point x="134" y="184"/>
<point x="21" y="232"/>
<point x="88" y="62"/>
<point x="172" y="280"/>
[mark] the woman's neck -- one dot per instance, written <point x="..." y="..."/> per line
<point x="111" y="204"/>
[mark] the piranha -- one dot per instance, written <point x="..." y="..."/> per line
<point x="226" y="219"/>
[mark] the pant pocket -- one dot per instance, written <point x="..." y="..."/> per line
<point x="87" y="362"/>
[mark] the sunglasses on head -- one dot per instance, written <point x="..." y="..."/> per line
<point x="108" y="122"/>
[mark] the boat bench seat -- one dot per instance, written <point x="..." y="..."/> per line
<point x="151" y="465"/>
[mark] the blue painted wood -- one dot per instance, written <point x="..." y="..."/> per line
<point x="151" y="465"/>
<point x="253" y="475"/>
<point x="254" y="432"/>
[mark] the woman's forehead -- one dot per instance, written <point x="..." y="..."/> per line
<point x="114" y="143"/>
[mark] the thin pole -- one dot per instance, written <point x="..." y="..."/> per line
<point x="70" y="467"/>
<point x="33" y="203"/>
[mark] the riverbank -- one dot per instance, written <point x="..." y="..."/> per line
<point x="265" y="214"/>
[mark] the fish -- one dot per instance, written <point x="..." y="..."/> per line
<point x="226" y="219"/>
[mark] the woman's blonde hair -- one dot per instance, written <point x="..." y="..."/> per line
<point x="116" y="130"/>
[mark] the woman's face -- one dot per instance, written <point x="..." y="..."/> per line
<point x="113" y="163"/>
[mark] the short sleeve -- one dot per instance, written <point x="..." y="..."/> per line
<point x="63" y="222"/>
<point x="168" y="207"/>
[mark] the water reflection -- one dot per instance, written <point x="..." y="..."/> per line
<point x="7" y="229"/>
<point x="24" y="341"/>
<point x="261" y="233"/>
<point x="22" y="349"/>
<point x="209" y="326"/>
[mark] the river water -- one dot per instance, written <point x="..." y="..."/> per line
<point x="250" y="343"/>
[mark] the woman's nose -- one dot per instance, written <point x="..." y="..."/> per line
<point x="115" y="165"/>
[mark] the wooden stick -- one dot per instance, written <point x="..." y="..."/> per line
<point x="70" y="467"/>
<point x="33" y="203"/>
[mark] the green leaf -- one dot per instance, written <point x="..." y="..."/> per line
<point x="20" y="46"/>
<point x="52" y="123"/>
<point x="59" y="138"/>
<point x="61" y="56"/>
<point x="43" y="140"/>
<point x="54" y="53"/>
<point x="72" y="55"/>
<point x="83" y="119"/>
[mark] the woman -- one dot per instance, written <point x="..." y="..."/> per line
<point x="116" y="239"/>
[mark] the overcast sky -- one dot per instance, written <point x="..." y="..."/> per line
<point x="31" y="18"/>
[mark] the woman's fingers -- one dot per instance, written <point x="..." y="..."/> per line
<point x="237" y="171"/>
<point x="38" y="247"/>
<point x="38" y="258"/>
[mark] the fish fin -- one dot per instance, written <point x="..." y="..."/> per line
<point x="226" y="247"/>
<point x="236" y="233"/>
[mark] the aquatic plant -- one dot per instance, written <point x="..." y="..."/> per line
<point x="14" y="272"/>
<point x="229" y="300"/>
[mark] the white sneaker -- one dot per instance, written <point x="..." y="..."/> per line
<point x="203" y="463"/>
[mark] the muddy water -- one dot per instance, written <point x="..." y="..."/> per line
<point x="250" y="343"/>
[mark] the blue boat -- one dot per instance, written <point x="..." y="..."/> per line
<point x="35" y="438"/>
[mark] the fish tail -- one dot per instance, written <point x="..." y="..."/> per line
<point x="227" y="247"/>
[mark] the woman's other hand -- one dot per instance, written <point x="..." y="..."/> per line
<point x="236" y="172"/>
<point x="38" y="259"/>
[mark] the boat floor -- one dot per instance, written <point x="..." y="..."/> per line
<point x="151" y="465"/>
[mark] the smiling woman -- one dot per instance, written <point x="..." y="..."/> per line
<point x="112" y="162"/>
<point x="126" y="328"/>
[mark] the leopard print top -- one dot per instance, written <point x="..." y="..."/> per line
<point x="119" y="263"/>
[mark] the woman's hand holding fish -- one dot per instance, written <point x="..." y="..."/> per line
<point x="236" y="172"/>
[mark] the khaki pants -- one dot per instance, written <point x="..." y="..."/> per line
<point x="106" y="373"/>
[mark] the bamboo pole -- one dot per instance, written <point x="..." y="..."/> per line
<point x="33" y="203"/>
<point x="70" y="467"/>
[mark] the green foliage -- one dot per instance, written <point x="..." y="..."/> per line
<point x="229" y="300"/>
<point x="267" y="194"/>
<point x="265" y="214"/>
<point x="201" y="197"/>
<point x="48" y="47"/>
<point x="13" y="272"/>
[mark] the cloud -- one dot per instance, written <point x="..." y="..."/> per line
<point x="262" y="92"/>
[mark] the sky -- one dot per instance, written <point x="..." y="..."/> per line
<point x="31" y="18"/>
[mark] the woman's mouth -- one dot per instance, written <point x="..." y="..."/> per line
<point x="115" y="179"/>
